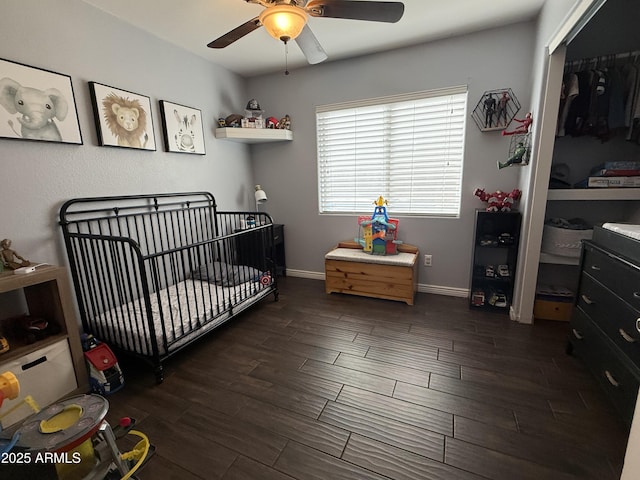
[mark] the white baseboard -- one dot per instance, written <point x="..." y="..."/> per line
<point x="440" y="290"/>
<point x="423" y="288"/>
<point x="305" y="274"/>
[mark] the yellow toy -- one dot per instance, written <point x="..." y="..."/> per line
<point x="9" y="387"/>
<point x="72" y="436"/>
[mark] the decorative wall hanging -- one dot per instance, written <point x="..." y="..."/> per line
<point x="37" y="104"/>
<point x="182" y="128"/>
<point x="495" y="110"/>
<point x="123" y="119"/>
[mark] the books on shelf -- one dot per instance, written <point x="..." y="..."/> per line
<point x="616" y="169"/>
<point x="614" y="182"/>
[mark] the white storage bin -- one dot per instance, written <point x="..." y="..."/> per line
<point x="563" y="241"/>
<point x="46" y="374"/>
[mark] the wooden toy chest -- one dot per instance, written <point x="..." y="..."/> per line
<point x="392" y="277"/>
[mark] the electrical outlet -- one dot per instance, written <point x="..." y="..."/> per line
<point x="427" y="260"/>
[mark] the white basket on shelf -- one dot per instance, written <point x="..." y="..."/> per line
<point x="563" y="241"/>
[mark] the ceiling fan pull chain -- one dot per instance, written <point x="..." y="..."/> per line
<point x="286" y="58"/>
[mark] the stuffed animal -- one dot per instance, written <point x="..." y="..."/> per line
<point x="498" y="201"/>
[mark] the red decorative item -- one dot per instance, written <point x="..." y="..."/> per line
<point x="272" y="122"/>
<point x="523" y="128"/>
<point x="265" y="278"/>
<point x="498" y="201"/>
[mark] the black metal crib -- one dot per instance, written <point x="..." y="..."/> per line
<point x="154" y="272"/>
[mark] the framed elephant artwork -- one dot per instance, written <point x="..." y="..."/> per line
<point x="123" y="119"/>
<point x="182" y="128"/>
<point x="37" y="104"/>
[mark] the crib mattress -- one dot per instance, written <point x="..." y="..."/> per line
<point x="181" y="311"/>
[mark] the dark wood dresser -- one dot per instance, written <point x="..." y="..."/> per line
<point x="605" y="325"/>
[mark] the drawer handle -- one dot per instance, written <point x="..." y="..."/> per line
<point x="626" y="336"/>
<point x="612" y="380"/>
<point x="587" y="300"/>
<point x="595" y="267"/>
<point x="29" y="365"/>
<point x="578" y="335"/>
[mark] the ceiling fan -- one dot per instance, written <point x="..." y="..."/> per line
<point x="286" y="20"/>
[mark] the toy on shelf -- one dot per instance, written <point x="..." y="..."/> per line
<point x="10" y="258"/>
<point x="253" y="115"/>
<point x="519" y="151"/>
<point x="498" y="201"/>
<point x="378" y="233"/>
<point x="30" y="329"/>
<point x="525" y="123"/>
<point x="495" y="109"/>
<point x="284" y="123"/>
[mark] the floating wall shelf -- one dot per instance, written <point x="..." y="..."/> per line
<point x="254" y="135"/>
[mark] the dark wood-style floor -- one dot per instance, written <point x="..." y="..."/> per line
<point x="333" y="387"/>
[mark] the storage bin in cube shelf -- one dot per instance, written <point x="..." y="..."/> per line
<point x="564" y="241"/>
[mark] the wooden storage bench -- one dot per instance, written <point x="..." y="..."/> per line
<point x="392" y="277"/>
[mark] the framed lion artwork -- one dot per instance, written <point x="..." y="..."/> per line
<point x="123" y="118"/>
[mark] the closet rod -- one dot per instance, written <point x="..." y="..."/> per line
<point x="618" y="56"/>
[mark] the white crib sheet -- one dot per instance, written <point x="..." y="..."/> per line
<point x="191" y="300"/>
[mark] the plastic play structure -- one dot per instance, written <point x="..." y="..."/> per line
<point x="69" y="440"/>
<point x="378" y="233"/>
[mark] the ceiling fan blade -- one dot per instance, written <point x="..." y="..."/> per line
<point x="310" y="46"/>
<point x="235" y="34"/>
<point x="389" y="12"/>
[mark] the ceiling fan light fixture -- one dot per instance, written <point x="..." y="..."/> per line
<point x="283" y="22"/>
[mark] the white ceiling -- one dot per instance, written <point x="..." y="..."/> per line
<point x="191" y="24"/>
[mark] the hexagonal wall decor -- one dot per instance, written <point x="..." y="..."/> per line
<point x="495" y="110"/>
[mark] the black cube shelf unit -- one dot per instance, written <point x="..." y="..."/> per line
<point x="495" y="255"/>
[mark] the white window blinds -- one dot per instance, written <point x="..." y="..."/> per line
<point x="407" y="148"/>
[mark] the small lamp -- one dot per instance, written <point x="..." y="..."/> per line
<point x="283" y="22"/>
<point x="261" y="197"/>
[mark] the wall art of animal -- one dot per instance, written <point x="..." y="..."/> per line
<point x="126" y="119"/>
<point x="185" y="137"/>
<point x="38" y="109"/>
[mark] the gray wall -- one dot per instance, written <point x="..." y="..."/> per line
<point x="497" y="58"/>
<point x="76" y="39"/>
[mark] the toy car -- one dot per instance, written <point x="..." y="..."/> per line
<point x="32" y="329"/>
<point x="505" y="239"/>
<point x="498" y="299"/>
<point x="477" y="298"/>
<point x="503" y="271"/>
<point x="488" y="241"/>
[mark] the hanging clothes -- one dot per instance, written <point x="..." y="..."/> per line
<point x="601" y="98"/>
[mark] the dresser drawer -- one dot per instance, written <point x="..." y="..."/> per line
<point x="618" y="275"/>
<point x="614" y="317"/>
<point x="619" y="379"/>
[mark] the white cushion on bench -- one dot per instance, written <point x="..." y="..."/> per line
<point x="355" y="255"/>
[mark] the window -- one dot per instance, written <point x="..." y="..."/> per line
<point x="407" y="148"/>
